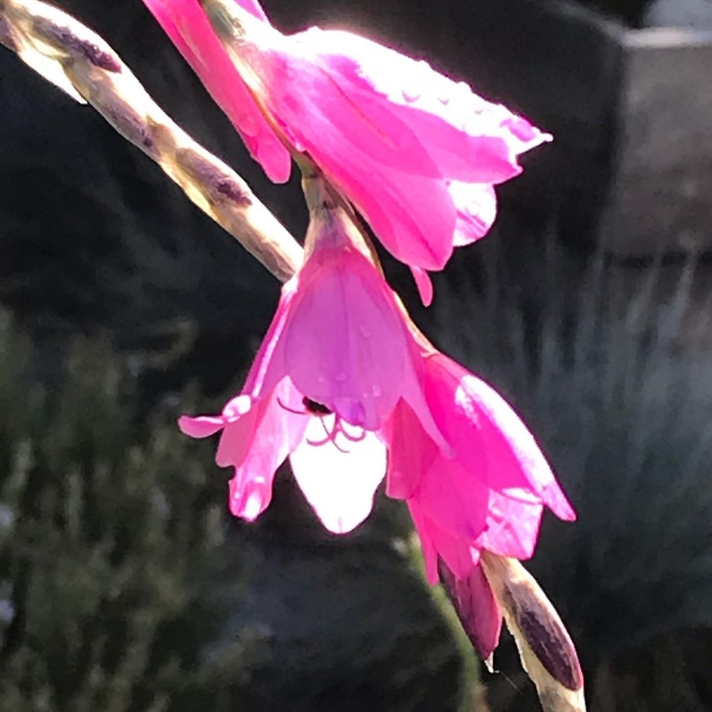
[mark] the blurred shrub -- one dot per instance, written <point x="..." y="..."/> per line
<point x="110" y="539"/>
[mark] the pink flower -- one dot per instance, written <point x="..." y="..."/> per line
<point x="335" y="361"/>
<point x="415" y="152"/>
<point x="487" y="493"/>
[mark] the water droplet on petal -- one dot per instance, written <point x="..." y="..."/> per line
<point x="376" y="390"/>
<point x="248" y="125"/>
<point x="365" y="332"/>
<point x="237" y="407"/>
<point x="252" y="507"/>
<point x="340" y="377"/>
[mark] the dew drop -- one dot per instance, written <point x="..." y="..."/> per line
<point x="340" y="377"/>
<point x="365" y="332"/>
<point x="376" y="390"/>
<point x="248" y="125"/>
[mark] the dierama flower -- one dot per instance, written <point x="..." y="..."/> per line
<point x="415" y="152"/>
<point x="335" y="361"/>
<point x="487" y="494"/>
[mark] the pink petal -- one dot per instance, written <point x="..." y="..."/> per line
<point x="512" y="525"/>
<point x="465" y="136"/>
<point x="424" y="285"/>
<point x="371" y="155"/>
<point x="410" y="211"/>
<point x="269" y="367"/>
<point x="476" y="211"/>
<point x="454" y="499"/>
<point x="202" y="426"/>
<point x="430" y="553"/>
<point x="238" y="437"/>
<point x="344" y="342"/>
<point x="339" y="482"/>
<point x="186" y="24"/>
<point x="476" y="608"/>
<point x="415" y="378"/>
<point x="276" y="433"/>
<point x="411" y="452"/>
<point x="237" y="407"/>
<point x="459" y="556"/>
<point x="511" y="445"/>
<point x="488" y="437"/>
<point x="250" y="495"/>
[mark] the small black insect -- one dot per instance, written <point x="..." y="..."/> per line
<point x="315" y="407"/>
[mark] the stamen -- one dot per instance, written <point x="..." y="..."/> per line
<point x="330" y="435"/>
<point x="318" y="410"/>
<point x="291" y="410"/>
<point x="329" y="438"/>
<point x="353" y="438"/>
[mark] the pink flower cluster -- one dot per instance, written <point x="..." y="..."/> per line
<point x="343" y="385"/>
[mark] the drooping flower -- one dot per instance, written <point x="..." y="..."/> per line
<point x="414" y="151"/>
<point x="335" y="361"/>
<point x="487" y="493"/>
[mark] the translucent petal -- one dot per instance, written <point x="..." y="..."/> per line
<point x="339" y="479"/>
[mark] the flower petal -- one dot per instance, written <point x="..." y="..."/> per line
<point x="424" y="285"/>
<point x="476" y="607"/>
<point x="511" y="445"/>
<point x="202" y="426"/>
<point x="476" y="211"/>
<point x="265" y="444"/>
<point x="467" y="137"/>
<point x="238" y="436"/>
<point x="411" y="452"/>
<point x="512" y="525"/>
<point x="430" y="553"/>
<point x="369" y="153"/>
<point x="339" y="479"/>
<point x="269" y="367"/>
<point x="344" y="342"/>
<point x="459" y="556"/>
<point x="454" y="499"/>
<point x="487" y="436"/>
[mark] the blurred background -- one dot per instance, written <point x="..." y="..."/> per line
<point x="124" y="584"/>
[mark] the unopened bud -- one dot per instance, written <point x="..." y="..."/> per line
<point x="545" y="647"/>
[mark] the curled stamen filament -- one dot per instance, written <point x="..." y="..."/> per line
<point x="332" y="434"/>
<point x="291" y="410"/>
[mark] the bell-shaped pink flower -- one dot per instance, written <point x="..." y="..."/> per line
<point x="487" y="493"/>
<point x="334" y="363"/>
<point x="415" y="152"/>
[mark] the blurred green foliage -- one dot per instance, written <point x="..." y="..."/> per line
<point x="110" y="542"/>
